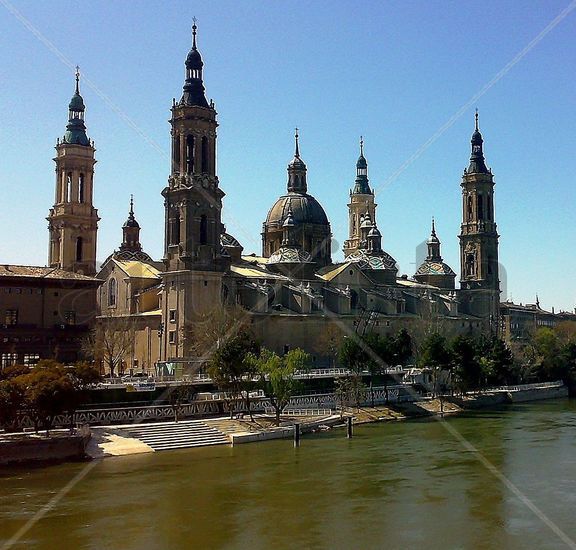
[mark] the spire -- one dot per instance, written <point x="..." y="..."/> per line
<point x="433" y="244"/>
<point x="297" y="170"/>
<point x="477" y="163"/>
<point x="362" y="187"/>
<point x="131" y="231"/>
<point x="194" y="93"/>
<point x="76" y="129"/>
<point x="297" y="151"/>
<point x="77" y="80"/>
<point x="194" y="33"/>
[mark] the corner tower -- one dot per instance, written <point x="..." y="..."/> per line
<point x="193" y="199"/>
<point x="73" y="220"/>
<point x="361" y="203"/>
<point x="479" y="279"/>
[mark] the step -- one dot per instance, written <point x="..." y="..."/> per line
<point x="161" y="441"/>
<point x="188" y="446"/>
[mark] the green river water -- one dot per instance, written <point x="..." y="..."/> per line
<point x="393" y="485"/>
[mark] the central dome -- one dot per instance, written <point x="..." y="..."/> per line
<point x="305" y="209"/>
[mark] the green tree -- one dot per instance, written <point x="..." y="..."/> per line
<point x="231" y="370"/>
<point x="12" y="397"/>
<point x="278" y="375"/>
<point x="50" y="391"/>
<point x="465" y="366"/>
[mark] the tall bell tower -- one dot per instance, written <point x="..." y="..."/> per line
<point x="479" y="279"/>
<point x="73" y="220"/>
<point x="361" y="204"/>
<point x="193" y="255"/>
<point x="193" y="200"/>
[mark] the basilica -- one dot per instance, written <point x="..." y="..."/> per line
<point x="292" y="290"/>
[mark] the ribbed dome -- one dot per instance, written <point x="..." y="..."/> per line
<point x="305" y="209"/>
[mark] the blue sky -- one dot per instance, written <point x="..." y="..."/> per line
<point x="395" y="72"/>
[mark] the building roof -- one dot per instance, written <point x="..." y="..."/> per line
<point x="253" y="272"/>
<point x="37" y="272"/>
<point x="137" y="269"/>
<point x="334" y="272"/>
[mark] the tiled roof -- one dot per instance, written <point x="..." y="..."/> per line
<point x="138" y="270"/>
<point x="37" y="272"/>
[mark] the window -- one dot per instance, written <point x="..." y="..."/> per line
<point x="81" y="188"/>
<point x="205" y="169"/>
<point x="11" y="317"/>
<point x="79" y="249"/>
<point x="203" y="229"/>
<point x="176" y="153"/>
<point x="190" y="154"/>
<point x="70" y="317"/>
<point x="205" y="283"/>
<point x="9" y="359"/>
<point x="480" y="207"/>
<point x="172" y="337"/>
<point x="31" y="359"/>
<point x="112" y="292"/>
<point x="68" y="196"/>
<point x="172" y="315"/>
<point x="175" y="228"/>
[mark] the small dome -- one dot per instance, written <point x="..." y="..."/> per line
<point x="76" y="103"/>
<point x="366" y="223"/>
<point x="290" y="255"/>
<point x="431" y="267"/>
<point x="298" y="163"/>
<point x="374" y="232"/>
<point x="305" y="209"/>
<point x="131" y="222"/>
<point x="194" y="59"/>
<point x="382" y="261"/>
<point x="361" y="162"/>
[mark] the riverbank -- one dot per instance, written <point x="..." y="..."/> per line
<point x="137" y="438"/>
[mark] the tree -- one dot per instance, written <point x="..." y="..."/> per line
<point x="178" y="396"/>
<point x="348" y="390"/>
<point x="231" y="369"/>
<point x="50" y="391"/>
<point x="111" y="342"/>
<point x="208" y="331"/>
<point x="435" y="354"/>
<point x="329" y="341"/>
<point x="12" y="396"/>
<point x="403" y="347"/>
<point x="465" y="366"/>
<point x="278" y="375"/>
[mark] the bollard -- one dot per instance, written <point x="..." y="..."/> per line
<point x="349" y="427"/>
<point x="296" y="435"/>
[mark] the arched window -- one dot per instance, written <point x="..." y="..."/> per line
<point x="205" y="168"/>
<point x="203" y="229"/>
<point x="79" y="249"/>
<point x="175" y="228"/>
<point x="112" y="292"/>
<point x="480" y="207"/>
<point x="68" y="196"/>
<point x="190" y="154"/>
<point x="176" y="153"/>
<point x="81" y="188"/>
<point x="353" y="299"/>
<point x="489" y="207"/>
<point x="469" y="210"/>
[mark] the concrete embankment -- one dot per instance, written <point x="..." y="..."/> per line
<point x="537" y="394"/>
<point x="27" y="448"/>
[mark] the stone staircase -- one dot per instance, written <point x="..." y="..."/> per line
<point x="177" y="435"/>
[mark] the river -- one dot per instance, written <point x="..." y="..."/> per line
<point x="417" y="484"/>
